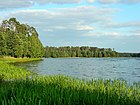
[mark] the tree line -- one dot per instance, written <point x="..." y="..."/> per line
<point x="129" y="54"/>
<point x="84" y="51"/>
<point x="19" y="40"/>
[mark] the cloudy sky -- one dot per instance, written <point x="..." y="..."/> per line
<point x="100" y="23"/>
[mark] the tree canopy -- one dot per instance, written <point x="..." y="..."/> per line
<point x="83" y="51"/>
<point x="19" y="40"/>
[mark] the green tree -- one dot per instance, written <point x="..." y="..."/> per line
<point x="19" y="40"/>
<point x="2" y="44"/>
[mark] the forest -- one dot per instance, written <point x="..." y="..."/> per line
<point x="21" y="40"/>
<point x="84" y="51"/>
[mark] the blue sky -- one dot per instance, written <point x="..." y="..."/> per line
<point x="100" y="23"/>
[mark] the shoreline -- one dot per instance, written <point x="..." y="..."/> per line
<point x="16" y="60"/>
<point x="59" y="89"/>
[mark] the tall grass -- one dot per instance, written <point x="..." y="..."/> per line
<point x="61" y="90"/>
<point x="11" y="72"/>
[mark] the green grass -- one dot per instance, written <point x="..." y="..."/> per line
<point x="13" y="60"/>
<point x="62" y="90"/>
<point x="10" y="72"/>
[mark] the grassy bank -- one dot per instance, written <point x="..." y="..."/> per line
<point x="10" y="72"/>
<point x="12" y="59"/>
<point x="61" y="90"/>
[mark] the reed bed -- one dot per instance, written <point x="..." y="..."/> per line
<point x="10" y="72"/>
<point x="62" y="90"/>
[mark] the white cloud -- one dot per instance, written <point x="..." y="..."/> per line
<point x="118" y="1"/>
<point x="130" y="24"/>
<point x="57" y="1"/>
<point x="78" y="20"/>
<point x="108" y="1"/>
<point x="13" y="4"/>
<point x="85" y="28"/>
<point x="90" y="1"/>
<point x="135" y="32"/>
<point x="100" y="33"/>
<point x="130" y="1"/>
<point x="8" y="4"/>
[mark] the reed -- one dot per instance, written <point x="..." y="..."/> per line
<point x="62" y="90"/>
<point x="10" y="72"/>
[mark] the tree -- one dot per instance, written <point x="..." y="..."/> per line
<point x="83" y="51"/>
<point x="19" y="40"/>
<point x="2" y="44"/>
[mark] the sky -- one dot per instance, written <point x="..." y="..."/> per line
<point x="99" y="23"/>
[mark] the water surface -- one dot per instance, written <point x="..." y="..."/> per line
<point x="88" y="68"/>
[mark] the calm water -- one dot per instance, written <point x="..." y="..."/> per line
<point x="89" y="68"/>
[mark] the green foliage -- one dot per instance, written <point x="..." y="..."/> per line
<point x="84" y="51"/>
<point x="135" y="55"/>
<point x="16" y="60"/>
<point x="11" y="72"/>
<point x="18" y="88"/>
<point x="79" y="52"/>
<point x="3" y="49"/>
<point x="129" y="54"/>
<point x="19" y="40"/>
<point x="61" y="90"/>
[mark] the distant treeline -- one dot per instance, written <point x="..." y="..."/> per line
<point x="129" y="54"/>
<point x="19" y="40"/>
<point x="83" y="51"/>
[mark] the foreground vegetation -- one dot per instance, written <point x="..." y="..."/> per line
<point x="10" y="72"/>
<point x="60" y="90"/>
<point x="18" y="88"/>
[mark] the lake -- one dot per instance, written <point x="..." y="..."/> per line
<point x="88" y="68"/>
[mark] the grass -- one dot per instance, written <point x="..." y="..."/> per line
<point x="13" y="60"/>
<point x="10" y="72"/>
<point x="61" y="90"/>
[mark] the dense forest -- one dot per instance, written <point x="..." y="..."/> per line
<point x="129" y="54"/>
<point x="19" y="40"/>
<point x="83" y="51"/>
<point x="136" y="55"/>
